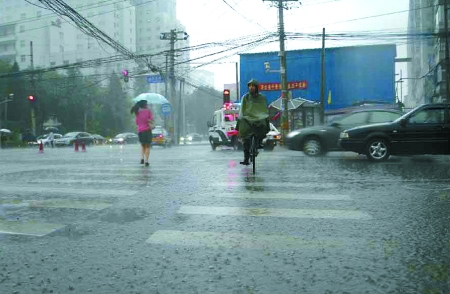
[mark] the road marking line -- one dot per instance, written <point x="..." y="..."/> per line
<point x="276" y="212"/>
<point x="275" y="184"/>
<point x="284" y="196"/>
<point x="69" y="190"/>
<point x="82" y="181"/>
<point x="239" y="240"/>
<point x="58" y="203"/>
<point x="29" y="228"/>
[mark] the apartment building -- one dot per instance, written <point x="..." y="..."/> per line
<point x="427" y="74"/>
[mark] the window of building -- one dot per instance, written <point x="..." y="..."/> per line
<point x="22" y="58"/>
<point x="66" y="62"/>
<point x="22" y="29"/>
<point x="79" y="59"/>
<point x="23" y="16"/>
<point x="61" y="48"/>
<point x="22" y="43"/>
<point x="52" y="63"/>
<point x="61" y="35"/>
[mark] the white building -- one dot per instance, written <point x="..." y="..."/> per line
<point x="426" y="48"/>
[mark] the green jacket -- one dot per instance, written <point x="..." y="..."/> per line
<point x="254" y="110"/>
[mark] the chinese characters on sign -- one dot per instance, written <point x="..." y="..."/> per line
<point x="277" y="86"/>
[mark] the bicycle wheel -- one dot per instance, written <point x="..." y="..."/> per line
<point x="253" y="150"/>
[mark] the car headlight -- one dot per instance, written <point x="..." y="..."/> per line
<point x="344" y="135"/>
<point x="120" y="140"/>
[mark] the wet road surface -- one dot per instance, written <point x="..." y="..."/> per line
<point x="196" y="221"/>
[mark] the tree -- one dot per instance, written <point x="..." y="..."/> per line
<point x="116" y="108"/>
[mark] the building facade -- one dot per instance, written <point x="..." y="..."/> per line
<point x="427" y="71"/>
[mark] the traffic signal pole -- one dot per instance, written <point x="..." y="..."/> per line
<point x="32" y="110"/>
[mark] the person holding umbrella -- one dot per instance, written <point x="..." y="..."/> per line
<point x="144" y="123"/>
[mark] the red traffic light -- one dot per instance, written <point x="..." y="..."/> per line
<point x="126" y="76"/>
<point x="226" y="96"/>
<point x="31" y="98"/>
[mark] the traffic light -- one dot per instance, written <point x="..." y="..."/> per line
<point x="126" y="76"/>
<point x="226" y="96"/>
<point x="31" y="98"/>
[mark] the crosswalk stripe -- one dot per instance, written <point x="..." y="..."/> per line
<point x="8" y="189"/>
<point x="240" y="240"/>
<point x="29" y="228"/>
<point x="275" y="212"/>
<point x="294" y="196"/>
<point x="58" y="203"/>
<point x="83" y="180"/>
<point x="275" y="184"/>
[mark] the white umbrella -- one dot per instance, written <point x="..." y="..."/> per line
<point x="151" y="98"/>
<point x="6" y="131"/>
<point x="292" y="103"/>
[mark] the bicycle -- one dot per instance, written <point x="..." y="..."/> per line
<point x="253" y="151"/>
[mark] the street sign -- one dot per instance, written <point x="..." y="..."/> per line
<point x="155" y="79"/>
<point x="166" y="109"/>
<point x="165" y="36"/>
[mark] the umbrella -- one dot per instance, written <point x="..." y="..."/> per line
<point x="292" y="103"/>
<point x="152" y="98"/>
<point x="51" y="129"/>
<point x="6" y="131"/>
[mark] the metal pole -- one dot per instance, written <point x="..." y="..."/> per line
<point x="172" y="86"/>
<point x="282" y="54"/>
<point x="238" y="98"/>
<point x="447" y="61"/>
<point x="33" y="116"/>
<point x="322" y="86"/>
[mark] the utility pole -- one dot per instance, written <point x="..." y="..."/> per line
<point x="322" y="83"/>
<point x="33" y="114"/>
<point x="172" y="36"/>
<point x="447" y="61"/>
<point x="282" y="55"/>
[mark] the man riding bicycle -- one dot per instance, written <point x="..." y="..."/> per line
<point x="253" y="118"/>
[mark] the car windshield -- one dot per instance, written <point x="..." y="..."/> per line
<point x="121" y="136"/>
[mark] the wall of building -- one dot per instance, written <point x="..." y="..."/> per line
<point x="352" y="74"/>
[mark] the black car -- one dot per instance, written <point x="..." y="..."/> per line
<point x="423" y="130"/>
<point x="318" y="140"/>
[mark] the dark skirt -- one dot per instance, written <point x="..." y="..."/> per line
<point x="145" y="137"/>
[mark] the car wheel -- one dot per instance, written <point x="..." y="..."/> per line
<point x="213" y="146"/>
<point x="377" y="149"/>
<point x="312" y="146"/>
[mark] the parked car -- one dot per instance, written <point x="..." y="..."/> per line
<point x="318" y="140"/>
<point x="126" y="138"/>
<point x="99" y="140"/>
<point x="423" y="130"/>
<point x="70" y="138"/>
<point x="45" y="139"/>
<point x="161" y="137"/>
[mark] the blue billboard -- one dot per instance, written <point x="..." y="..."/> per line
<point x="352" y="74"/>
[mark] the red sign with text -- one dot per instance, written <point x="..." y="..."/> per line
<point x="277" y="86"/>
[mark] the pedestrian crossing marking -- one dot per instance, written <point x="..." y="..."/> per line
<point x="276" y="212"/>
<point x="275" y="184"/>
<point x="75" y="204"/>
<point x="239" y="240"/>
<point x="38" y="189"/>
<point x="86" y="180"/>
<point x="292" y="196"/>
<point x="29" y="228"/>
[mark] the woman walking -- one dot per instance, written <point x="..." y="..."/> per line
<point x="144" y="123"/>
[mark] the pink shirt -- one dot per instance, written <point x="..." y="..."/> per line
<point x="144" y="115"/>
